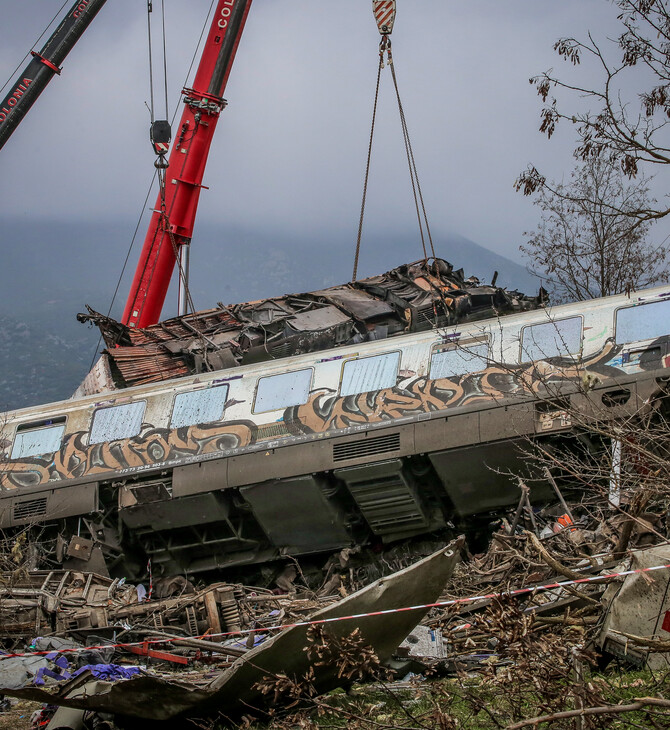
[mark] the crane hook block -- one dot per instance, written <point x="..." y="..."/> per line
<point x="160" y="134"/>
<point x="384" y="11"/>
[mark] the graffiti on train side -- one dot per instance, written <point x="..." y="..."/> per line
<point x="151" y="446"/>
<point x="325" y="411"/>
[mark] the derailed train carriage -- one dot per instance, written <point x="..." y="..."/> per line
<point x="358" y="415"/>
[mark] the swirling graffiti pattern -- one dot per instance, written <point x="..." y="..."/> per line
<point x="324" y="412"/>
<point x="152" y="446"/>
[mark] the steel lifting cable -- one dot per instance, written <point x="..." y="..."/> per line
<point x="151" y="60"/>
<point x="165" y="78"/>
<point x="165" y="228"/>
<point x="174" y="116"/>
<point x="151" y="57"/>
<point x="161" y="166"/>
<point x="160" y="173"/>
<point x="413" y="172"/>
<point x="384" y="11"/>
<point x="160" y="163"/>
<point x="367" y="166"/>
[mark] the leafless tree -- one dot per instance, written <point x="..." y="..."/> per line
<point x="587" y="243"/>
<point x="627" y="123"/>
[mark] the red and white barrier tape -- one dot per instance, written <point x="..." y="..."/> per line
<point x="315" y="622"/>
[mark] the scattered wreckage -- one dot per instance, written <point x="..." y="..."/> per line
<point x="229" y="680"/>
<point x="557" y="584"/>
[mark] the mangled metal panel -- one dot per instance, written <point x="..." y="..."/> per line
<point x="236" y="691"/>
<point x="637" y="606"/>
<point x="411" y="298"/>
<point x="362" y="305"/>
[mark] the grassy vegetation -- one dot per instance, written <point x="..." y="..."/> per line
<point x="472" y="703"/>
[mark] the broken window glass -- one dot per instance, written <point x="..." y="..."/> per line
<point x="369" y="373"/>
<point x="458" y="359"/>
<point x="199" y="406"/>
<point x="283" y="391"/>
<point x="35" y="439"/>
<point x="643" y="322"/>
<point x="117" y="422"/>
<point x="560" y="338"/>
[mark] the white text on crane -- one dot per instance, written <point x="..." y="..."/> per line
<point x="225" y="14"/>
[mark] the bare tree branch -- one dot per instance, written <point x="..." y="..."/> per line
<point x="591" y="240"/>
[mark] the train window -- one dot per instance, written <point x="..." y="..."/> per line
<point x="369" y="373"/>
<point x="117" y="422"/>
<point x="283" y="391"/>
<point x="199" y="406"/>
<point x="459" y="358"/>
<point x="643" y="322"/>
<point x="38" y="438"/>
<point x="558" y="338"/>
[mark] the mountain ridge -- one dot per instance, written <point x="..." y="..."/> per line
<point x="54" y="271"/>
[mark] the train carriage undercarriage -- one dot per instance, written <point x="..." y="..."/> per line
<point x="369" y="490"/>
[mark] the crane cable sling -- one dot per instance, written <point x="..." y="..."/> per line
<point x="385" y="48"/>
<point x="414" y="174"/>
<point x="156" y="172"/>
<point x="151" y="60"/>
<point x="367" y="166"/>
<point x="165" y="221"/>
<point x="151" y="63"/>
<point x="139" y="220"/>
<point x="165" y="226"/>
<point x="161" y="178"/>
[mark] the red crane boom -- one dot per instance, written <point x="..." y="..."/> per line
<point x="173" y="219"/>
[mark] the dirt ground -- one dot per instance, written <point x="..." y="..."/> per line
<point x="18" y="717"/>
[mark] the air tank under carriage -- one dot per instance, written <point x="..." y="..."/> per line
<point x="370" y="414"/>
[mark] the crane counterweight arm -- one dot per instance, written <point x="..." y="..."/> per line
<point x="41" y="69"/>
<point x="173" y="219"/>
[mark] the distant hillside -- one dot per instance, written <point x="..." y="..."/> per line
<point x="233" y="266"/>
<point x="50" y="270"/>
<point x="37" y="365"/>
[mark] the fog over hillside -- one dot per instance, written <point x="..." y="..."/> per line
<point x="45" y="352"/>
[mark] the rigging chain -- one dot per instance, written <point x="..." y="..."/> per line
<point x="385" y="50"/>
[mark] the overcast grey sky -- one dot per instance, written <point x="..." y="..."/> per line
<point x="290" y="149"/>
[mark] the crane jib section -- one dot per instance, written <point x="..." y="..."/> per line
<point x="44" y="65"/>
<point x="173" y="219"/>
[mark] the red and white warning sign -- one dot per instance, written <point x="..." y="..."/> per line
<point x="384" y="11"/>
